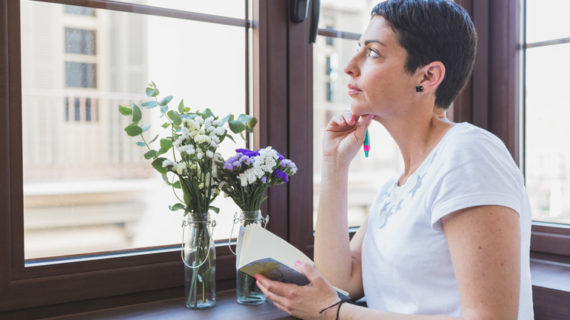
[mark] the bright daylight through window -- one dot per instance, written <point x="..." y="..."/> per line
<point x="87" y="186"/>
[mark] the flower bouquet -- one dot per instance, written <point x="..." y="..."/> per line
<point x="187" y="158"/>
<point x="245" y="177"/>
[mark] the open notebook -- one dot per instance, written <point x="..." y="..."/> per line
<point x="260" y="251"/>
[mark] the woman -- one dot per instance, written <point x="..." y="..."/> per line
<point x="449" y="238"/>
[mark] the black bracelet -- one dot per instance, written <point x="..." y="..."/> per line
<point x="338" y="309"/>
<point x="332" y="305"/>
<point x="338" y="303"/>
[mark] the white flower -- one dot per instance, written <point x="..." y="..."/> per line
<point x="243" y="179"/>
<point x="217" y="123"/>
<point x="180" y="168"/>
<point x="178" y="142"/>
<point x="209" y="154"/>
<point x="193" y="133"/>
<point x="220" y="131"/>
<point x="199" y="121"/>
<point x="219" y="157"/>
<point x="213" y="144"/>
<point x="215" y="138"/>
<point x="202" y="139"/>
<point x="168" y="163"/>
<point x="208" y="120"/>
<point x="199" y="155"/>
<point x="184" y="132"/>
<point x="210" y="129"/>
<point x="190" y="124"/>
<point x="258" y="172"/>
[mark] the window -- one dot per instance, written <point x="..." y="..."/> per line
<point x="80" y="41"/>
<point x="70" y="163"/>
<point x="79" y="10"/>
<point x="547" y="154"/>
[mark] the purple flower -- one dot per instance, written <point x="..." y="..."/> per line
<point x="264" y="179"/>
<point x="236" y="164"/>
<point x="234" y="158"/>
<point x="247" y="152"/>
<point x="280" y="157"/>
<point x="249" y="161"/>
<point x="228" y="165"/>
<point x="281" y="175"/>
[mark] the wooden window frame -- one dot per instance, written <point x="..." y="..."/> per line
<point x="283" y="102"/>
<point x="137" y="276"/>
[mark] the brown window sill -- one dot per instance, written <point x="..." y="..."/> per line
<point x="226" y="308"/>
<point x="551" y="289"/>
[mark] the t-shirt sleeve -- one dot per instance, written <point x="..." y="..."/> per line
<point x="476" y="172"/>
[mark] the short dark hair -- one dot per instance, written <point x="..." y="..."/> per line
<point x="434" y="30"/>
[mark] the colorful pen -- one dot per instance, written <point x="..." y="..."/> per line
<point x="366" y="144"/>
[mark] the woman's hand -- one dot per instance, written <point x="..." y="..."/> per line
<point x="303" y="302"/>
<point x="343" y="137"/>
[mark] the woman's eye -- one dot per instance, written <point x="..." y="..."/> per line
<point x="372" y="53"/>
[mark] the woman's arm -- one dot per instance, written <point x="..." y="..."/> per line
<point x="336" y="258"/>
<point x="484" y="243"/>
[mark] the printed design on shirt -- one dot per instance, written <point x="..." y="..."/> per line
<point x="388" y="209"/>
<point x="417" y="186"/>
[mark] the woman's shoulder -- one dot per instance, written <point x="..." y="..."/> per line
<point x="466" y="143"/>
<point x="469" y="140"/>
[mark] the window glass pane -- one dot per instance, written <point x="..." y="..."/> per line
<point x="350" y="16"/>
<point x="79" y="74"/>
<point x="79" y="10"/>
<point x="226" y="8"/>
<point x="367" y="175"/>
<point x="80" y="41"/>
<point x="547" y="19"/>
<point x="547" y="152"/>
<point x="87" y="186"/>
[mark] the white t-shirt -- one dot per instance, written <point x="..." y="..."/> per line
<point x="406" y="265"/>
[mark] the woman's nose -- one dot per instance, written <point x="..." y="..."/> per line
<point x="352" y="67"/>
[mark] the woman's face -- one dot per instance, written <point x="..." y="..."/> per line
<point x="379" y="84"/>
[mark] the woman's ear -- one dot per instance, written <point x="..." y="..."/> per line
<point x="431" y="75"/>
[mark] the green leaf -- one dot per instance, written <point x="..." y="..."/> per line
<point x="166" y="124"/>
<point x="140" y="144"/>
<point x="230" y="137"/>
<point x="181" y="106"/>
<point x="145" y="128"/>
<point x="153" y="139"/>
<point x="163" y="109"/>
<point x="165" y="144"/>
<point x="177" y="206"/>
<point x="149" y="92"/>
<point x="176" y="185"/>
<point x="227" y="118"/>
<point x="162" y="151"/>
<point x="208" y="113"/>
<point x="175" y="117"/>
<point x="150" y="104"/>
<point x="165" y="100"/>
<point x="124" y="110"/>
<point x="244" y="118"/>
<point x="137" y="114"/>
<point x="165" y="178"/>
<point x="133" y="130"/>
<point x="157" y="164"/>
<point x="215" y="209"/>
<point x="236" y="126"/>
<point x="251" y="124"/>
<point x="151" y="154"/>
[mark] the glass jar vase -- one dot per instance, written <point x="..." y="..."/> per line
<point x="199" y="257"/>
<point x="247" y="291"/>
